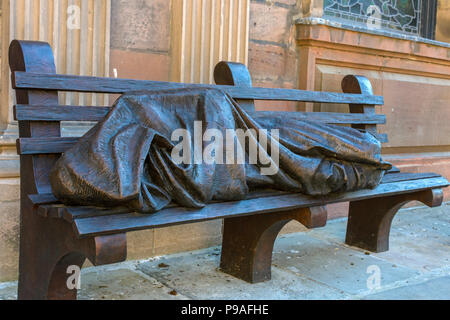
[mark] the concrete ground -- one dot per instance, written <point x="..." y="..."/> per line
<point x="308" y="265"/>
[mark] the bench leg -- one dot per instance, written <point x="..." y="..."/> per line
<point x="369" y="221"/>
<point x="248" y="241"/>
<point x="48" y="247"/>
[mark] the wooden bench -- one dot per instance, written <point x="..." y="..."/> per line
<point x="54" y="237"/>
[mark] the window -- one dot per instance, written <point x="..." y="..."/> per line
<point x="414" y="17"/>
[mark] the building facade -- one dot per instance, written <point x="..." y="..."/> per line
<point x="400" y="45"/>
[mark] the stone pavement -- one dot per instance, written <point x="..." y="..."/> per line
<point x="307" y="265"/>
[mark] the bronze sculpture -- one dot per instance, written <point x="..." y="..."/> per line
<point x="128" y="158"/>
<point x="54" y="237"/>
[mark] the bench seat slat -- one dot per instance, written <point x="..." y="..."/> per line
<point x="90" y="221"/>
<point x="88" y="113"/>
<point x="48" y="198"/>
<point x="112" y="224"/>
<point x="27" y="80"/>
<point x="42" y="199"/>
<point x="407" y="176"/>
<point x="70" y="213"/>
<point x="78" y="212"/>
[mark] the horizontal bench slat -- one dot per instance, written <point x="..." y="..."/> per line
<point x="49" y="206"/>
<point x="27" y="80"/>
<point x="71" y="213"/>
<point x="331" y="117"/>
<point x="42" y="199"/>
<point x="30" y="146"/>
<point x="393" y="170"/>
<point x="104" y="225"/>
<point x="89" y="113"/>
<point x="48" y="198"/>
<point x="407" y="176"/>
<point x="59" y="113"/>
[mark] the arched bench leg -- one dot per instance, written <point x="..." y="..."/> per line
<point x="49" y="246"/>
<point x="57" y="283"/>
<point x="369" y="221"/>
<point x="248" y="241"/>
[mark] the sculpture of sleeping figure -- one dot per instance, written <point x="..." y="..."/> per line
<point x="195" y="145"/>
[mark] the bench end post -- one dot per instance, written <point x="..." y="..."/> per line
<point x="235" y="74"/>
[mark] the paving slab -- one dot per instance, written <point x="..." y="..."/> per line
<point x="116" y="283"/>
<point x="196" y="275"/>
<point x="435" y="219"/>
<point x="419" y="251"/>
<point x="425" y="223"/>
<point x="434" y="289"/>
<point x="123" y="284"/>
<point x="334" y="265"/>
<point x="8" y="291"/>
<point x="334" y="231"/>
<point x="419" y="239"/>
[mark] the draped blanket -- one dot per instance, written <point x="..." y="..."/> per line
<point x="131" y="158"/>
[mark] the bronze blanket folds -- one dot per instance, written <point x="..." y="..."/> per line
<point x="126" y="159"/>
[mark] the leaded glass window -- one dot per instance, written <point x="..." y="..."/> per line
<point x="398" y="15"/>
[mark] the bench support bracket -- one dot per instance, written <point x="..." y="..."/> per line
<point x="248" y="241"/>
<point x="369" y="221"/>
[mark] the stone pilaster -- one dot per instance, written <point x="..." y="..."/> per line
<point x="78" y="31"/>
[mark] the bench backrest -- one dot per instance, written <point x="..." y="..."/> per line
<point x="39" y="114"/>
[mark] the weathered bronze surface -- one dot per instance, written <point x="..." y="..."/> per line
<point x="126" y="159"/>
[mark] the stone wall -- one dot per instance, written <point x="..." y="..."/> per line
<point x="79" y="49"/>
<point x="443" y="21"/>
<point x="411" y="75"/>
<point x="140" y="39"/>
<point x="273" y="59"/>
<point x="9" y="228"/>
